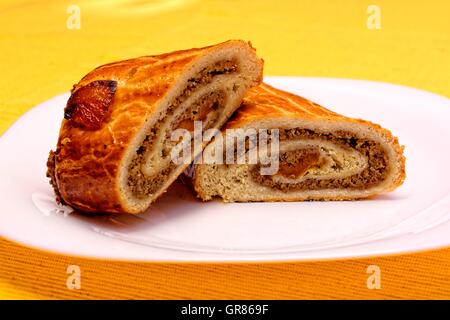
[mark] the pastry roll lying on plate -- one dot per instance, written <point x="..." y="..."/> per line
<point x="321" y="154"/>
<point x="114" y="146"/>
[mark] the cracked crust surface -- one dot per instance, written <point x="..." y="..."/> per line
<point x="377" y="156"/>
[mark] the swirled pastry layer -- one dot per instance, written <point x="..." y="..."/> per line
<point x="113" y="151"/>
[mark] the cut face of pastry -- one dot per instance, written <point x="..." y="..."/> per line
<point x="113" y="152"/>
<point x="321" y="155"/>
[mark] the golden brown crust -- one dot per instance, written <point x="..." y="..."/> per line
<point x="88" y="157"/>
<point x="265" y="102"/>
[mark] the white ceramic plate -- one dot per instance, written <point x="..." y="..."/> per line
<point x="180" y="228"/>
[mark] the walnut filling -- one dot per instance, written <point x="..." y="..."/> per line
<point x="200" y="110"/>
<point x="293" y="166"/>
<point x="206" y="108"/>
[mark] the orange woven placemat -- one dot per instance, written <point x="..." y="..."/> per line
<point x="44" y="53"/>
<point x="28" y="273"/>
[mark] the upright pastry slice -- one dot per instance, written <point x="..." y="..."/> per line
<point x="114" y="146"/>
<point x="322" y="155"/>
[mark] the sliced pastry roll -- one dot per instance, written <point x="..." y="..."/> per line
<point x="114" y="146"/>
<point x="321" y="154"/>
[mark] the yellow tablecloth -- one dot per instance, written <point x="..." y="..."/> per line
<point x="42" y="55"/>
